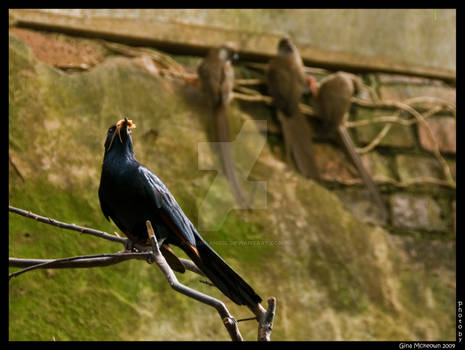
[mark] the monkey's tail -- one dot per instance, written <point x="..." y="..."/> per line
<point x="350" y="147"/>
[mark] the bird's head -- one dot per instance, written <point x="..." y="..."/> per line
<point x="120" y="134"/>
<point x="286" y="46"/>
<point x="228" y="52"/>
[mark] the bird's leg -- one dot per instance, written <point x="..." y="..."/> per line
<point x="160" y="241"/>
<point x="129" y="246"/>
<point x="148" y="246"/>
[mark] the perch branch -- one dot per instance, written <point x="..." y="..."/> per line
<point x="242" y="82"/>
<point x="266" y="323"/>
<point x="104" y="260"/>
<point x="66" y="226"/>
<point x="189" y="265"/>
<point x="264" y="317"/>
<point x="228" y="321"/>
<point x="95" y="260"/>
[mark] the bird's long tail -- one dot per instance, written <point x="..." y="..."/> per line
<point x="298" y="142"/>
<point x="222" y="275"/>
<point x="367" y="180"/>
<point x="221" y="128"/>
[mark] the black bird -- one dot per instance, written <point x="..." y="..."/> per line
<point x="287" y="82"/>
<point x="130" y="194"/>
<point x="332" y="98"/>
<point x="217" y="78"/>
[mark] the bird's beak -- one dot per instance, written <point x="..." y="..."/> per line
<point x="123" y="123"/>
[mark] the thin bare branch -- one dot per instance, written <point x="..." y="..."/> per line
<point x="387" y="119"/>
<point x="266" y="323"/>
<point x="90" y="260"/>
<point x="420" y="119"/>
<point x="242" y="82"/>
<point x="376" y="141"/>
<point x="15" y="167"/>
<point x="105" y="260"/>
<point x="253" y="97"/>
<point x="264" y="317"/>
<point x="436" y="151"/>
<point x="66" y="226"/>
<point x="228" y="321"/>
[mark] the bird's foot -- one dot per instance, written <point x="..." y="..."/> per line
<point x="129" y="247"/>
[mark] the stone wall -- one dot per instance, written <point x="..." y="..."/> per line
<point x="419" y="36"/>
<point x="419" y="41"/>
<point x="410" y="167"/>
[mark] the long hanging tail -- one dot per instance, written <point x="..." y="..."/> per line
<point x="298" y="142"/>
<point x="222" y="137"/>
<point x="350" y="147"/>
<point x="222" y="275"/>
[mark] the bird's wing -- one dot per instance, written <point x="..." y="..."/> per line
<point x="284" y="84"/>
<point x="105" y="209"/>
<point x="334" y="98"/>
<point x="170" y="212"/>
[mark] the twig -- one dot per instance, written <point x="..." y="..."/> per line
<point x="93" y="260"/>
<point x="253" y="97"/>
<point x="266" y="323"/>
<point x="106" y="260"/>
<point x="242" y="82"/>
<point x="401" y="105"/>
<point x="228" y="321"/>
<point x="257" y="97"/>
<point x="188" y="264"/>
<point x="264" y="317"/>
<point x="436" y="152"/>
<point x="375" y="142"/>
<point x="15" y="168"/>
<point x="433" y="101"/>
<point x="388" y="119"/>
<point x="391" y="119"/>
<point x="419" y="118"/>
<point x="66" y="226"/>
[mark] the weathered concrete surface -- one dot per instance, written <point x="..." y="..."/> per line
<point x="418" y="41"/>
<point x="334" y="277"/>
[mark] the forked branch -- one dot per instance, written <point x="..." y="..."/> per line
<point x="264" y="317"/>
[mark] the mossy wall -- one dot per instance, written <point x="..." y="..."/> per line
<point x="334" y="277"/>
